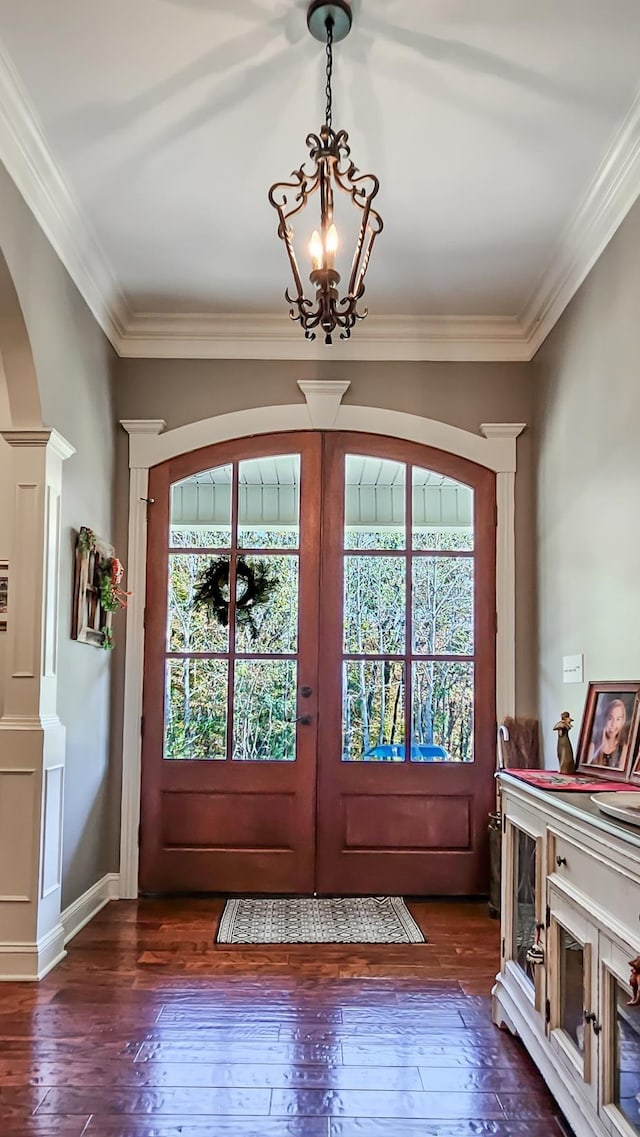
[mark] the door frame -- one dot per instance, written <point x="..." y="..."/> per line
<point x="150" y="444"/>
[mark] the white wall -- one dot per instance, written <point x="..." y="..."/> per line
<point x="587" y="428"/>
<point x="73" y="362"/>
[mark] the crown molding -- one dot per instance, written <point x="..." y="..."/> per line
<point x="31" y="165"/>
<point x="232" y="336"/>
<point x="607" y="201"/>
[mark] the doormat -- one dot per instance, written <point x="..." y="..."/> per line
<point x="338" y="920"/>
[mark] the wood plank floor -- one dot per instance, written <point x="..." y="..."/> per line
<point x="148" y="1029"/>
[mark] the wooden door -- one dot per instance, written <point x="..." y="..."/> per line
<point x="230" y="702"/>
<point x="280" y="761"/>
<point x="407" y="667"/>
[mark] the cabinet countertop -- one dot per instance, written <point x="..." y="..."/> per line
<point x="576" y="805"/>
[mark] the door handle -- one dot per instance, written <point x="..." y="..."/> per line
<point x="304" y="720"/>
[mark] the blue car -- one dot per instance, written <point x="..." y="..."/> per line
<point x="394" y="752"/>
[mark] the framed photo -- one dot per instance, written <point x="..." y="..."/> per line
<point x="4" y="594"/>
<point x="605" y="744"/>
<point x="634" y="747"/>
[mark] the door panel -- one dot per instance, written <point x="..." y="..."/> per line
<point x="229" y="765"/>
<point x="408" y="646"/>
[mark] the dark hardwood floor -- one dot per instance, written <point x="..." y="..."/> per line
<point x="148" y="1029"/>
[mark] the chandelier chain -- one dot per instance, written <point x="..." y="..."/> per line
<point x="328" y="172"/>
<point x="329" y="71"/>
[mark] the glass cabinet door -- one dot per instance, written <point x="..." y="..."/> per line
<point x="573" y="1003"/>
<point x="620" y="1040"/>
<point x="524" y="940"/>
<point x="525" y="915"/>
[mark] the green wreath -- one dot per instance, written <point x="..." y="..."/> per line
<point x="257" y="579"/>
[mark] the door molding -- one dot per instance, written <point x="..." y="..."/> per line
<point x="150" y="444"/>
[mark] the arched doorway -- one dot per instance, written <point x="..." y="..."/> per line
<point x="342" y="739"/>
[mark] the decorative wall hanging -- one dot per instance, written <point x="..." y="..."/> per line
<point x="333" y="169"/>
<point x="96" y="591"/>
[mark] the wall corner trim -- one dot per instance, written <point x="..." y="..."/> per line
<point x="76" y="915"/>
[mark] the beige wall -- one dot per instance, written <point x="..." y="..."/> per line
<point x="73" y="363"/>
<point x="465" y="395"/>
<point x="587" y="424"/>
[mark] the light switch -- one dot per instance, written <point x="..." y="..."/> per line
<point x="573" y="669"/>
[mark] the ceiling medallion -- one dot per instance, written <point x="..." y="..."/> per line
<point x="333" y="169"/>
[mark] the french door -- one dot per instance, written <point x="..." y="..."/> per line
<point x="319" y="669"/>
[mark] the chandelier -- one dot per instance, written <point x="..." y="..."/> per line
<point x="332" y="170"/>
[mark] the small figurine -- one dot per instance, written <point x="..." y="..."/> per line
<point x="565" y="749"/>
<point x="634" y="981"/>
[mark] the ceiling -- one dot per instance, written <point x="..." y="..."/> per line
<point x="504" y="136"/>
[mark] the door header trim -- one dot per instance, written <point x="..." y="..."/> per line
<point x="150" y="444"/>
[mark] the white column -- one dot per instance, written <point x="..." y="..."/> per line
<point x="138" y="431"/>
<point x="505" y="564"/>
<point x="32" y="738"/>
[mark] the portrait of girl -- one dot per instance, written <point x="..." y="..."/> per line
<point x="609" y="740"/>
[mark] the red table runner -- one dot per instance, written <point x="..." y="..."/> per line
<point x="579" y="783"/>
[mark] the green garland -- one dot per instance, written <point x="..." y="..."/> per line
<point x="259" y="582"/>
<point x="86" y="540"/>
<point x="108" y="599"/>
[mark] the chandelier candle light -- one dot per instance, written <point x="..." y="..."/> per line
<point x="330" y="152"/>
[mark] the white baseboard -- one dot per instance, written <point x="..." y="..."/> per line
<point x="31" y="961"/>
<point x="74" y="918"/>
<point x="28" y="962"/>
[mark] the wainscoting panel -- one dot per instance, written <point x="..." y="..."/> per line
<point x="18" y="815"/>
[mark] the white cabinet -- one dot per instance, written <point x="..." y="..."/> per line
<point x="570" y="926"/>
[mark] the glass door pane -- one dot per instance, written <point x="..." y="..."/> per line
<point x="442" y="711"/>
<point x="373" y="711"/>
<point x="442" y="512"/>
<point x="195" y="715"/>
<point x="571" y="954"/>
<point x="375" y="503"/>
<point x="200" y="511"/>
<point x="264" y="710"/>
<point x="524" y="900"/>
<point x="269" y="502"/>
<point x="626" y="1085"/>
